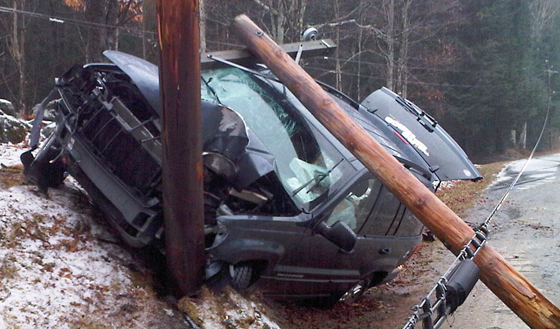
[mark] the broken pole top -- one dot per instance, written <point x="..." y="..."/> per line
<point x="496" y="273"/>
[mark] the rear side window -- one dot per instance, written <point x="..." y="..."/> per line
<point x="356" y="207"/>
<point x="384" y="216"/>
<point x="370" y="209"/>
<point x="409" y="225"/>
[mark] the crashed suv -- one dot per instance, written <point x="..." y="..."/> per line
<point x="288" y="209"/>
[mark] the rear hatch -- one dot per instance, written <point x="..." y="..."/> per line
<point x="442" y="154"/>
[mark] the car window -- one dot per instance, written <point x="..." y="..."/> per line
<point x="383" y="215"/>
<point x="307" y="164"/>
<point x="410" y="225"/>
<point x="357" y="205"/>
<point x="388" y="216"/>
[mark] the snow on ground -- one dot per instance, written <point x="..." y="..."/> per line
<point x="537" y="171"/>
<point x="9" y="154"/>
<point x="56" y="271"/>
<point x="61" y="268"/>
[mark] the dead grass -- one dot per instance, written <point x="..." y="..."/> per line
<point x="11" y="176"/>
<point x="226" y="310"/>
<point x="463" y="194"/>
<point x="8" y="269"/>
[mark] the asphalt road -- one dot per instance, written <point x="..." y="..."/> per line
<point x="526" y="231"/>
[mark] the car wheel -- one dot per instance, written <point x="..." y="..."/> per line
<point x="242" y="276"/>
<point x="355" y="293"/>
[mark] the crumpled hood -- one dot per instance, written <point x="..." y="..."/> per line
<point x="144" y="74"/>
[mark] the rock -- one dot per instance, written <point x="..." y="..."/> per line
<point x="7" y="108"/>
<point x="48" y="129"/>
<point x="50" y="110"/>
<point x="12" y="130"/>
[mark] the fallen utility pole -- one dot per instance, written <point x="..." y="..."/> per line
<point x="179" y="43"/>
<point x="499" y="276"/>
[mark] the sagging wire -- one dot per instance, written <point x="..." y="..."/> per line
<point x="62" y="20"/>
<point x="474" y="86"/>
<point x="442" y="307"/>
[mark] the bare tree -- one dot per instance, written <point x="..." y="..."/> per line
<point x="542" y="13"/>
<point x="402" y="67"/>
<point x="202" y="26"/>
<point x="105" y="18"/>
<point x="16" y="45"/>
<point x="390" y="40"/>
<point x="286" y="18"/>
<point x="94" y="14"/>
<point x="149" y="27"/>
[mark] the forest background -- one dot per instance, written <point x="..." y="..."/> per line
<point x="484" y="69"/>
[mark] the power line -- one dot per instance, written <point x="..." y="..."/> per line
<point x="330" y="58"/>
<point x="63" y="20"/>
<point x="384" y="65"/>
<point x="425" y="83"/>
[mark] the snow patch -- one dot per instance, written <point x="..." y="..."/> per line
<point x="54" y="270"/>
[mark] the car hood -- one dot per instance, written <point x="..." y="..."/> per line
<point x="444" y="156"/>
<point x="144" y="74"/>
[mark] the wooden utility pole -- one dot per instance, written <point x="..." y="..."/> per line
<point x="179" y="75"/>
<point x="508" y="284"/>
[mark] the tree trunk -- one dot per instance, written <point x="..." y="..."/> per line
<point x="300" y="14"/>
<point x="359" y="77"/>
<point x="402" y="74"/>
<point x="390" y="15"/>
<point x="508" y="284"/>
<point x="280" y="18"/>
<point x="523" y="137"/>
<point x="202" y="26"/>
<point x="338" y="68"/>
<point x="94" y="13"/>
<point x="17" y="50"/>
<point x="149" y="23"/>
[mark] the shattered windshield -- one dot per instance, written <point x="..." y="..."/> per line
<point x="307" y="164"/>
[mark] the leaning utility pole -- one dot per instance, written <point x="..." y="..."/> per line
<point x="500" y="277"/>
<point x="179" y="75"/>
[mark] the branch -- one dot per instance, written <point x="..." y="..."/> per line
<point x="369" y="27"/>
<point x="267" y="7"/>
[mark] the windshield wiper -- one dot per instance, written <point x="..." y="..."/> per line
<point x="427" y="121"/>
<point x="317" y="178"/>
<point x="207" y="83"/>
<point x="243" y="68"/>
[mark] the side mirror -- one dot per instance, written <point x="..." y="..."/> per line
<point x="340" y="234"/>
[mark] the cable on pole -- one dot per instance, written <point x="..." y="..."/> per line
<point x="62" y="20"/>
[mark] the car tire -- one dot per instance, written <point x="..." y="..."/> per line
<point x="242" y="276"/>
